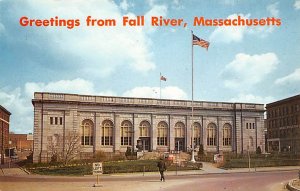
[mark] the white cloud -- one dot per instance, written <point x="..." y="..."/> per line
<point x="21" y="120"/>
<point x="101" y="50"/>
<point x="157" y="11"/>
<point x="246" y="70"/>
<point x="273" y="9"/>
<point x="250" y="98"/>
<point x="297" y="4"/>
<point x="169" y="92"/>
<point x="124" y="5"/>
<point x="291" y="78"/>
<point x="76" y="86"/>
<point x="177" y="4"/>
<point x="18" y="102"/>
<point x="229" y="34"/>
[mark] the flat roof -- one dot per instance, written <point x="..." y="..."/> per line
<point x="283" y="100"/>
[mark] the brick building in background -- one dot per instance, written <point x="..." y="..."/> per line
<point x="283" y="125"/>
<point x="4" y="131"/>
<point x="22" y="142"/>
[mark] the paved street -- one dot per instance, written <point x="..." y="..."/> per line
<point x="265" y="179"/>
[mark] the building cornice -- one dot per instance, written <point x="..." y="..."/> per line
<point x="46" y="97"/>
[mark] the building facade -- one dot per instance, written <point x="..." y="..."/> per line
<point x="22" y="142"/>
<point x="4" y="131"/>
<point x="283" y="125"/>
<point x="111" y="124"/>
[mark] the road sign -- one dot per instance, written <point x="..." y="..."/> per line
<point x="97" y="168"/>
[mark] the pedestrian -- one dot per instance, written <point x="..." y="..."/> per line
<point x="161" y="167"/>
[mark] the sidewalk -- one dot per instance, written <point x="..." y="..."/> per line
<point x="12" y="170"/>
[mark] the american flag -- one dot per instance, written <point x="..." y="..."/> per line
<point x="163" y="78"/>
<point x="200" y="42"/>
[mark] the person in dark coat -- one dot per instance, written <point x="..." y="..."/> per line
<point x="161" y="167"/>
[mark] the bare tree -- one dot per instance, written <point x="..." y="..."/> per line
<point x="64" y="150"/>
<point x="72" y="147"/>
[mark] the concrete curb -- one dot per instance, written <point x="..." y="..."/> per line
<point x="290" y="186"/>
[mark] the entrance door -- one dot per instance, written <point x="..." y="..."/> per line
<point x="179" y="144"/>
<point x="145" y="143"/>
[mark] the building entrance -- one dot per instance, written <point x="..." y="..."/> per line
<point x="179" y="144"/>
<point x="145" y="143"/>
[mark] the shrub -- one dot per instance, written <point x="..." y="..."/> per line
<point x="258" y="150"/>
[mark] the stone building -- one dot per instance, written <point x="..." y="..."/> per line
<point x="283" y="125"/>
<point x="111" y="124"/>
<point x="4" y="131"/>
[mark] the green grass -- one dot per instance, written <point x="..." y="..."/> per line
<point x="66" y="170"/>
<point x="108" y="168"/>
<point x="260" y="162"/>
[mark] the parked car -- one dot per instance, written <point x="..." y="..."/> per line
<point x="15" y="157"/>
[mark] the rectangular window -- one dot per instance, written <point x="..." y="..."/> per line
<point x="226" y="141"/>
<point x="51" y="120"/>
<point x="82" y="140"/>
<point x="87" y="140"/>
<point x="106" y="140"/>
<point x="246" y="125"/>
<point x="60" y="120"/>
<point x="126" y="141"/>
<point x="211" y="141"/>
<point x="162" y="141"/>
<point x="197" y="140"/>
<point x="56" y="120"/>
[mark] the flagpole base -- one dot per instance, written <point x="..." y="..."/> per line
<point x="193" y="157"/>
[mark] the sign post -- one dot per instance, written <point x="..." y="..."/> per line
<point x="97" y="170"/>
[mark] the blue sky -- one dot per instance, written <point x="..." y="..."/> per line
<point x="243" y="64"/>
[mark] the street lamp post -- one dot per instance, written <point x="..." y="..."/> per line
<point x="9" y="159"/>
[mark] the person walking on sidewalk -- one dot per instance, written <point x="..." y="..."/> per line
<point x="161" y="167"/>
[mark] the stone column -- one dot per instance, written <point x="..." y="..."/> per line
<point x="172" y="133"/>
<point x="44" y="138"/>
<point x="154" y="133"/>
<point x="117" y="136"/>
<point x="97" y="133"/>
<point x="188" y="132"/>
<point x="204" y="125"/>
<point x="37" y="133"/>
<point x="220" y="135"/>
<point x="136" y="130"/>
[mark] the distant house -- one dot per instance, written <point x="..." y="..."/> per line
<point x="4" y="131"/>
<point x="283" y="125"/>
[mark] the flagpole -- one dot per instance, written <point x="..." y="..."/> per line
<point x="193" y="154"/>
<point x="160" y="85"/>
